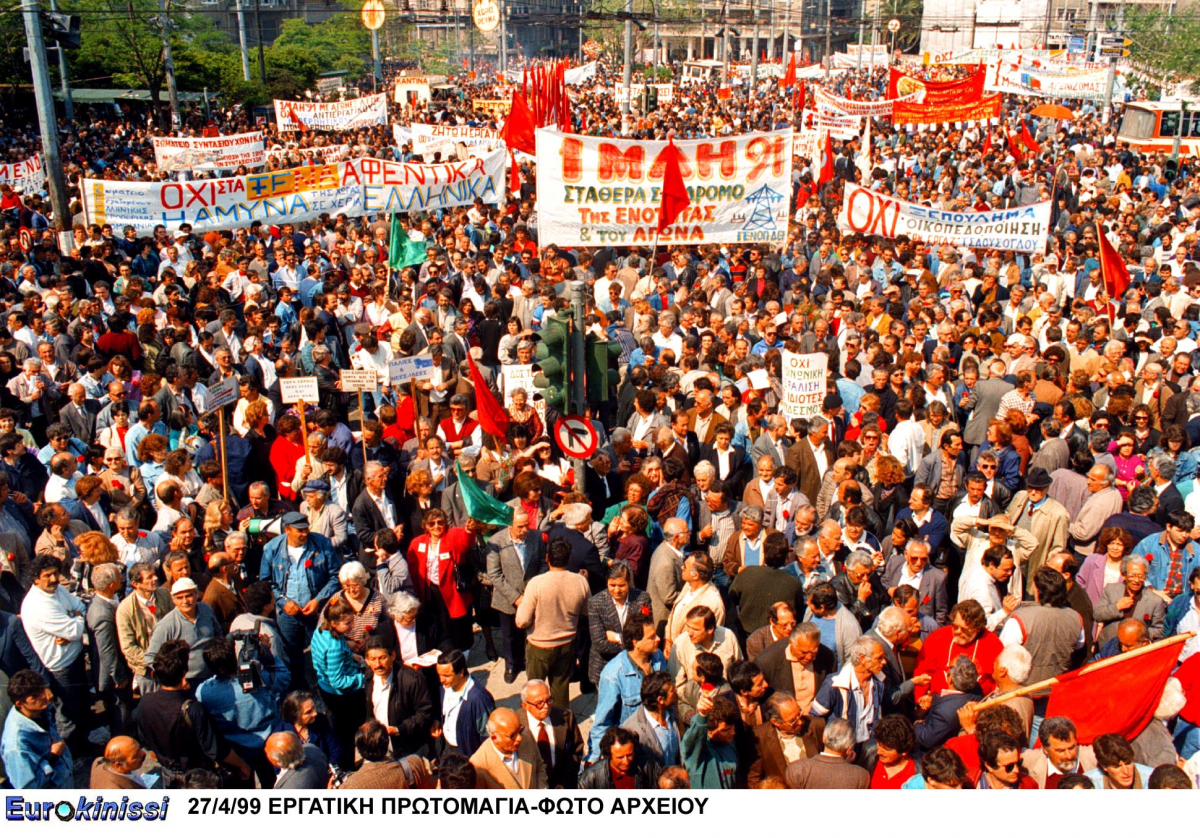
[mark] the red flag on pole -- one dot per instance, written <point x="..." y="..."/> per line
<point x="801" y="97"/>
<point x="514" y="174"/>
<point x="789" y="77"/>
<point x="1120" y="698"/>
<point x="518" y="130"/>
<point x="488" y="411"/>
<point x="1112" y="269"/>
<point x="987" y="142"/>
<point x="1028" y="140"/>
<point x="828" y="171"/>
<point x="1014" y="148"/>
<point x="675" y="198"/>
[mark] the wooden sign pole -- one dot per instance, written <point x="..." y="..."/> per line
<point x="303" y="429"/>
<point x="362" y="419"/>
<point x="224" y="469"/>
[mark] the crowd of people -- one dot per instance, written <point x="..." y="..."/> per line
<point x="997" y="490"/>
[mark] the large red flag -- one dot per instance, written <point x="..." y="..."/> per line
<point x="488" y="412"/>
<point x="675" y="198"/>
<point x="828" y="170"/>
<point x="518" y="130"/>
<point x="789" y="77"/>
<point x="1028" y="140"/>
<point x="1112" y="269"/>
<point x="1120" y="698"/>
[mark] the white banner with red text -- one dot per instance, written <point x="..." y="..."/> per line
<point x="183" y="154"/>
<point x="349" y="115"/>
<point x="430" y="139"/>
<point x="1021" y="229"/>
<point x="362" y="186"/>
<point x="595" y="191"/>
<point x="27" y="175"/>
<point x="851" y="106"/>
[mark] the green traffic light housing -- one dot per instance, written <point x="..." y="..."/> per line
<point x="552" y="360"/>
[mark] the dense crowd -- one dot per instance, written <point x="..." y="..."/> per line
<point x="998" y="488"/>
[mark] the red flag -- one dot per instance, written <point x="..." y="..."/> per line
<point x="987" y="142"/>
<point x="1119" y="698"/>
<point x="1028" y="140"/>
<point x="488" y="412"/>
<point x="1014" y="147"/>
<point x="295" y="117"/>
<point x="518" y="129"/>
<point x="675" y="198"/>
<point x="828" y="172"/>
<point x="789" y="77"/>
<point x="514" y="174"/>
<point x="1112" y="269"/>
<point x="801" y="97"/>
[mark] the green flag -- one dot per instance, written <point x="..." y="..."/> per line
<point x="480" y="505"/>
<point x="402" y="251"/>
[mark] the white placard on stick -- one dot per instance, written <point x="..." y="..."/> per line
<point x="358" y="381"/>
<point x="226" y="392"/>
<point x="292" y="390"/>
<point x="402" y="370"/>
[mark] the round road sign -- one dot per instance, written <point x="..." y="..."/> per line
<point x="576" y="436"/>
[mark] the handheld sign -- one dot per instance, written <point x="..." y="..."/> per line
<point x="576" y="437"/>
<point x="292" y="390"/>
<point x="357" y="381"/>
<point x="406" y="369"/>
<point x="226" y="392"/>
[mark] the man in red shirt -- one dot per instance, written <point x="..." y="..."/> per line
<point x="967" y="635"/>
<point x="118" y="340"/>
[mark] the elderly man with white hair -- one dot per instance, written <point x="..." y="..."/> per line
<point x="35" y="389"/>
<point x="324" y="517"/>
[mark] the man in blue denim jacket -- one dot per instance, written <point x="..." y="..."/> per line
<point x="35" y="756"/>
<point x="302" y="568"/>
<point x="620" y="687"/>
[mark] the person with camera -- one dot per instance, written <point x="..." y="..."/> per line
<point x="242" y="697"/>
<point x="302" y="568"/>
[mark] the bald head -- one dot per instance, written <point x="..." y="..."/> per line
<point x="504" y="729"/>
<point x="124" y="755"/>
<point x="284" y="750"/>
<point x="1132" y="634"/>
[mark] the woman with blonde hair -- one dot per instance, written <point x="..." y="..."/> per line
<point x="218" y="523"/>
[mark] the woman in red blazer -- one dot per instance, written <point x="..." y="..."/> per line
<point x="442" y="550"/>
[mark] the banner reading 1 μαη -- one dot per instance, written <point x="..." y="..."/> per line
<point x="1023" y="229"/>
<point x="596" y="191"/>
<point x="803" y="384"/>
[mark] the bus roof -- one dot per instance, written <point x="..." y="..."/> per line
<point x="1168" y="105"/>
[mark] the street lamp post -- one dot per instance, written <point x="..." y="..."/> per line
<point x="893" y="27"/>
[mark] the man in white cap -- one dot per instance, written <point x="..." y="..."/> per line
<point x="189" y="620"/>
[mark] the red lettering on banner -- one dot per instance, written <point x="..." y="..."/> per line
<point x="176" y="193"/>
<point x="615" y="165"/>
<point x="763" y="153"/>
<point x="572" y="160"/>
<point x="727" y="155"/>
<point x="877" y="220"/>
<point x="350" y="174"/>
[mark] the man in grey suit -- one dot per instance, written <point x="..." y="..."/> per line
<point x="983" y="403"/>
<point x="657" y="713"/>
<point x="771" y="444"/>
<point x="300" y="765"/>
<point x="80" y="414"/>
<point x="666" y="566"/>
<point x="113" y="676"/>
<point x="515" y="555"/>
<point x="452" y="499"/>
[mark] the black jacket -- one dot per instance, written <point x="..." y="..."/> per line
<point x="598" y="776"/>
<point x="864" y="612"/>
<point x="584" y="556"/>
<point x="410" y="710"/>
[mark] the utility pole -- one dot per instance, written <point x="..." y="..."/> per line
<point x="47" y="125"/>
<point x="262" y="62"/>
<point x="828" y="36"/>
<point x="169" y="63"/>
<point x="1179" y="133"/>
<point x="627" y="69"/>
<point x="68" y="102"/>
<point x="241" y="16"/>
<point x="577" y="392"/>
<point x="503" y="39"/>
<point x="1049" y="18"/>
<point x="787" y="33"/>
<point x="754" y="52"/>
<point x="378" y="65"/>
<point x="724" y="43"/>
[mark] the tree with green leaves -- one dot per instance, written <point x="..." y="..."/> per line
<point x="1165" y="43"/>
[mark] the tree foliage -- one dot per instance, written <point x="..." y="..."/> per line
<point x="1164" y="43"/>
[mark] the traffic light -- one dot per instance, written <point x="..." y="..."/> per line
<point x="603" y="371"/>
<point x="552" y="360"/>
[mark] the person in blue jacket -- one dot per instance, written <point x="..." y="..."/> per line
<point x="34" y="755"/>
<point x="302" y="568"/>
<point x="465" y="707"/>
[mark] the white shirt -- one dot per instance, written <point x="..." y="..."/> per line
<point x="379" y="699"/>
<point x="101" y="518"/>
<point x="981" y="587"/>
<point x="48" y="617"/>
<point x="451" y="703"/>
<point x="906" y="443"/>
<point x="535" y="728"/>
<point x="385" y="509"/>
<point x="822" y="458"/>
<point x="406" y="636"/>
<point x="1190" y="622"/>
<point x="59" y="488"/>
